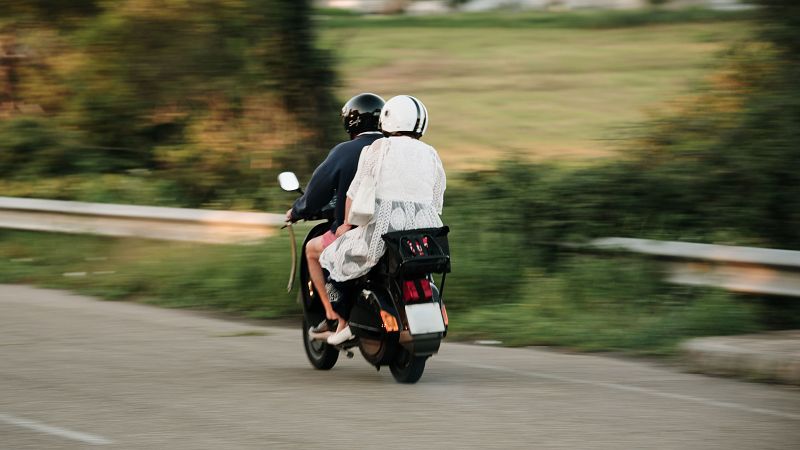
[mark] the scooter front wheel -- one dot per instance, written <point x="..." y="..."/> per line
<point x="321" y="355"/>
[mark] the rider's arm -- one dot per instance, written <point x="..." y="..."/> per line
<point x="345" y="227"/>
<point x="347" y="204"/>
<point x="366" y="160"/>
<point x="320" y="189"/>
<point x="439" y="183"/>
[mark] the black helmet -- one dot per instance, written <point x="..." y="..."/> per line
<point x="362" y="113"/>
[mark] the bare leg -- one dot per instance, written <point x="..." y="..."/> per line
<point x="313" y="250"/>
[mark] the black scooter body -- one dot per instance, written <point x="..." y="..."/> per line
<point x="375" y="292"/>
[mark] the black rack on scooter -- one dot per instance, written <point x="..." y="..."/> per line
<point x="418" y="252"/>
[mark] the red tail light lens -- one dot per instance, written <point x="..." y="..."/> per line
<point x="417" y="290"/>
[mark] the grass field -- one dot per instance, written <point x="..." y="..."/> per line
<point x="548" y="91"/>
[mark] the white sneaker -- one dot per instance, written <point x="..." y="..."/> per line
<point x="340" y="337"/>
<point x="319" y="336"/>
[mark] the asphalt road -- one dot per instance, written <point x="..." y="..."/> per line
<point x="76" y="372"/>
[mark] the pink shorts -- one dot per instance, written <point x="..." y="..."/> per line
<point x="327" y="239"/>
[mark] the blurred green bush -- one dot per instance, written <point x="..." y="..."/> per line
<point x="212" y="96"/>
<point x="596" y="303"/>
<point x="34" y="147"/>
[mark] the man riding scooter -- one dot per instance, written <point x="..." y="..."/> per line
<point x="332" y="178"/>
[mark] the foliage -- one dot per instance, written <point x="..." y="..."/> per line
<point x="720" y="167"/>
<point x="240" y="279"/>
<point x="780" y="20"/>
<point x="137" y="188"/>
<point x="591" y="304"/>
<point x="595" y="303"/>
<point x="55" y="13"/>
<point x="33" y="147"/>
<point x="199" y="97"/>
<point x="537" y="19"/>
<point x="211" y="95"/>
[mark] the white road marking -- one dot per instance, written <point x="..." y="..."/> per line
<point x="55" y="431"/>
<point x="628" y="388"/>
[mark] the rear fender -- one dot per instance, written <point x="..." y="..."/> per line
<point x="365" y="318"/>
<point x="377" y="344"/>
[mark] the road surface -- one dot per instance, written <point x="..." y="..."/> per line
<point x="80" y="373"/>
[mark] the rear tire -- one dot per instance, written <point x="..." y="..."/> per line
<point x="321" y="355"/>
<point x="407" y="368"/>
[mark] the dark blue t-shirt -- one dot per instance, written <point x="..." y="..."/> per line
<point x="333" y="177"/>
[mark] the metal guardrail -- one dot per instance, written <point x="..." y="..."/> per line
<point x="149" y="222"/>
<point x="738" y="269"/>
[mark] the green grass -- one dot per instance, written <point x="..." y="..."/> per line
<point x="597" y="19"/>
<point x="601" y="304"/>
<point x="590" y="303"/>
<point x="242" y="279"/>
<point x="505" y="84"/>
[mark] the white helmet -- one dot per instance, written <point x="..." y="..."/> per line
<point x="404" y="113"/>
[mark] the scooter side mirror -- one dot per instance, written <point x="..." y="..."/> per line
<point x="288" y="181"/>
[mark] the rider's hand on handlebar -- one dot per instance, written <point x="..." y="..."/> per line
<point x="289" y="216"/>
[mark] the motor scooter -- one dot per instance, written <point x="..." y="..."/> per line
<point x="398" y="316"/>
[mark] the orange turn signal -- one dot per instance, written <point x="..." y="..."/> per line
<point x="389" y="322"/>
<point x="444" y="315"/>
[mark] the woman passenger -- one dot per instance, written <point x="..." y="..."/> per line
<point x="409" y="194"/>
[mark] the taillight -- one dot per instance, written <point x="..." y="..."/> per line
<point x="444" y="315"/>
<point x="418" y="290"/>
<point x="389" y="321"/>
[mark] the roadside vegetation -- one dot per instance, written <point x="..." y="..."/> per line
<point x="717" y="164"/>
<point x="118" y="124"/>
<point x="161" y="102"/>
<point x="249" y="280"/>
<point x="587" y="304"/>
<point x="578" y="19"/>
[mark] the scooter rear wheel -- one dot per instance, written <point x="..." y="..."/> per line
<point x="321" y="355"/>
<point x="407" y="368"/>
